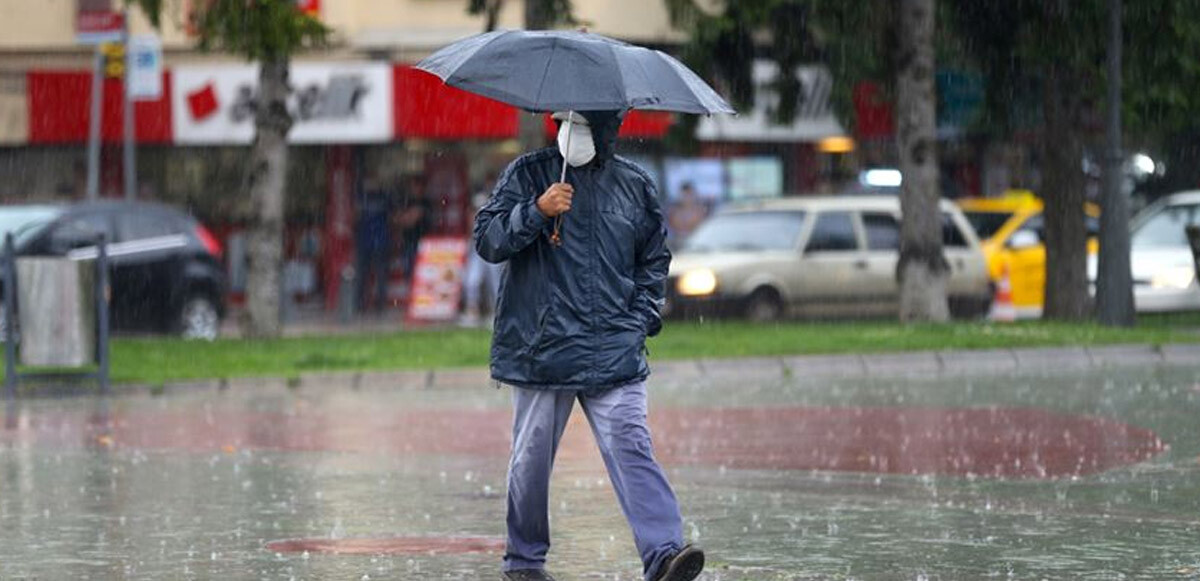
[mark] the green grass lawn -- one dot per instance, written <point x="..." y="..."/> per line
<point x="159" y="359"/>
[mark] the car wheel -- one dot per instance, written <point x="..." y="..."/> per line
<point x="764" y="306"/>
<point x="970" y="308"/>
<point x="199" y="319"/>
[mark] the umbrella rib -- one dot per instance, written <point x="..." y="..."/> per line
<point x="477" y="50"/>
<point x="542" y="85"/>
<point x="463" y="59"/>
<point x="618" y="85"/>
<point x="634" y="79"/>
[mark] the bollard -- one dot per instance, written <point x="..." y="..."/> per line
<point x="103" y="290"/>
<point x="347" y="294"/>
<point x="287" y="302"/>
<point x="1193" y="236"/>
<point x="10" y="320"/>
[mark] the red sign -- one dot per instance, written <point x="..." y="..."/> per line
<point x="423" y="107"/>
<point x="96" y="21"/>
<point x="636" y="124"/>
<point x="872" y="112"/>
<point x="426" y="107"/>
<point x="310" y="7"/>
<point x="59" y="107"/>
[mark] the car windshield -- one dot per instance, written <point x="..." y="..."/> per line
<point x="986" y="224"/>
<point x="747" y="231"/>
<point x="1165" y="229"/>
<point x="23" y="222"/>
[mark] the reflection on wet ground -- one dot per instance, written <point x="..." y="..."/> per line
<point x="1064" y="476"/>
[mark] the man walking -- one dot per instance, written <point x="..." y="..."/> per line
<point x="373" y="244"/>
<point x="587" y="261"/>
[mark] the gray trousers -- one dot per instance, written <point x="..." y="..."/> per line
<point x="618" y="420"/>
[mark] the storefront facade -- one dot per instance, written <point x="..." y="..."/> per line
<point x="357" y="124"/>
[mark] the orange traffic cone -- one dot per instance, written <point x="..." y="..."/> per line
<point x="1003" y="309"/>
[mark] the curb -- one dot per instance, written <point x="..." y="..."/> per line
<point x="875" y="365"/>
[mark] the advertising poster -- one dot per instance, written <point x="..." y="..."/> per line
<point x="437" y="279"/>
<point x="755" y="177"/>
<point x="706" y="174"/>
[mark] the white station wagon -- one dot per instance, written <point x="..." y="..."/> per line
<point x="814" y="256"/>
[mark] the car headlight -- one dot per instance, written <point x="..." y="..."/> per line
<point x="1174" y="278"/>
<point x="696" y="283"/>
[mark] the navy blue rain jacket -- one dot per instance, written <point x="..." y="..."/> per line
<point x="575" y="316"/>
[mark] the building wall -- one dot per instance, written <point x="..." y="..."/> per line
<point x="14" y="109"/>
<point x="405" y="28"/>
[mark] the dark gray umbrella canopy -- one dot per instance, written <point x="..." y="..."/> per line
<point x="546" y="70"/>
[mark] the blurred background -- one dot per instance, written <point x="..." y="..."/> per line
<point x="381" y="156"/>
<point x="933" y="306"/>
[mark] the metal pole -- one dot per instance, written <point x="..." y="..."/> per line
<point x="102" y="312"/>
<point x="10" y="335"/>
<point x="130" y="146"/>
<point x="1114" y="284"/>
<point x="93" y="155"/>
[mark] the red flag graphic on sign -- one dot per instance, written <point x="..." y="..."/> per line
<point x="203" y="102"/>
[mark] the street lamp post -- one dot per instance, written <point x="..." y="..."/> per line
<point x="1114" y="281"/>
<point x="130" y="151"/>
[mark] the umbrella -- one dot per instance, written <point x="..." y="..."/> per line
<point x="558" y="70"/>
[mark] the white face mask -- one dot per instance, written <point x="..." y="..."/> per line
<point x="583" y="149"/>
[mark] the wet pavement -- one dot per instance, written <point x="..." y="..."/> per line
<point x="1080" y="475"/>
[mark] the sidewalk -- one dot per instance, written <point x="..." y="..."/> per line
<point x="850" y="366"/>
<point x="1024" y="464"/>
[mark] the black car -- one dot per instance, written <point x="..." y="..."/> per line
<point x="166" y="272"/>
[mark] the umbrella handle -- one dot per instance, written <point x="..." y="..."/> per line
<point x="556" y="237"/>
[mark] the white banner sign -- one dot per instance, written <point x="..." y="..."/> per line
<point x="98" y="21"/>
<point x="145" y="67"/>
<point x="330" y="103"/>
<point x="814" y="118"/>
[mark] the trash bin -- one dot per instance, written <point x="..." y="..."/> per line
<point x="57" y="312"/>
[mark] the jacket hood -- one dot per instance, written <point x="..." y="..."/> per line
<point x="605" y="125"/>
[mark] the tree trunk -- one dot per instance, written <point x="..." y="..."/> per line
<point x="1114" y="282"/>
<point x="491" y="14"/>
<point x="267" y="184"/>
<point x="1062" y="189"/>
<point x="922" y="269"/>
<point x="539" y="14"/>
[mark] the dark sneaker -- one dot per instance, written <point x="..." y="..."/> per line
<point x="527" y="575"/>
<point x="682" y="566"/>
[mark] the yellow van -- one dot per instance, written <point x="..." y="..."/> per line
<point x="1011" y="230"/>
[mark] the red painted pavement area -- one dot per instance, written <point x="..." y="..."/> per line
<point x="996" y="442"/>
<point x="985" y="442"/>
